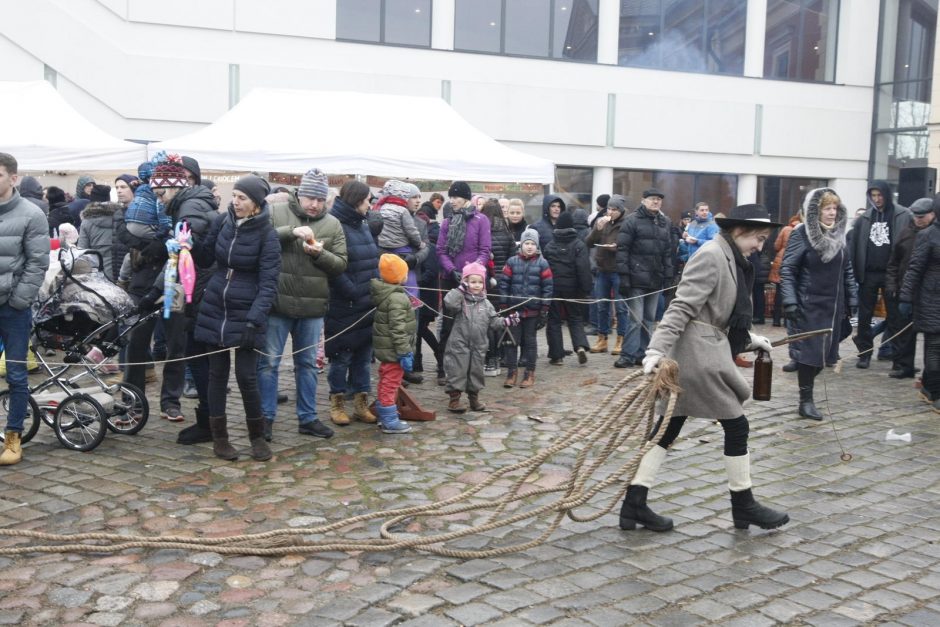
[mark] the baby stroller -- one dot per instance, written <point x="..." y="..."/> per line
<point x="81" y="313"/>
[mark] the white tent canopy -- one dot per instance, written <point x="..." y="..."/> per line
<point x="43" y="132"/>
<point x="288" y="130"/>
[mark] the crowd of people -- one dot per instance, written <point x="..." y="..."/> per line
<point x="394" y="278"/>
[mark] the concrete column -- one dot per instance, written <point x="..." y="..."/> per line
<point x="747" y="189"/>
<point x="754" y="38"/>
<point x="442" y="24"/>
<point x="608" y="31"/>
<point x="603" y="182"/>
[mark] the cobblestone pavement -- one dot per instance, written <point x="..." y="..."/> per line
<point x="862" y="545"/>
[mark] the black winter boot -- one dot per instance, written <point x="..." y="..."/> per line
<point x="220" y="444"/>
<point x="634" y="510"/>
<point x="260" y="451"/>
<point x="806" y="376"/>
<point x="199" y="432"/>
<point x="745" y="511"/>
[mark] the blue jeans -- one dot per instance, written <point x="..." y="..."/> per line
<point x="642" y="318"/>
<point x="15" y="327"/>
<point x="603" y="284"/>
<point x="305" y="333"/>
<point x="349" y="370"/>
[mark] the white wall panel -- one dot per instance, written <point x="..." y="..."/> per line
<point x="118" y="6"/>
<point x="301" y="18"/>
<point x="18" y="64"/>
<point x="815" y="133"/>
<point x="675" y="123"/>
<point x="202" y="13"/>
<point x="533" y="114"/>
<point x="253" y="76"/>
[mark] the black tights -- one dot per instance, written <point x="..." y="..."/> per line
<point x="246" y="375"/>
<point x="736" y="430"/>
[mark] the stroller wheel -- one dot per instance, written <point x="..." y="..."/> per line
<point x="131" y="410"/>
<point x="30" y="423"/>
<point x="79" y="422"/>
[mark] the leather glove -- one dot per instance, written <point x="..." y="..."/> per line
<point x="651" y="360"/>
<point x="407" y="362"/>
<point x="148" y="303"/>
<point x="457" y="276"/>
<point x="410" y="259"/>
<point x="543" y="320"/>
<point x="906" y="310"/>
<point x="759" y="343"/>
<point x="793" y="313"/>
<point x="512" y="319"/>
<point x="248" y="337"/>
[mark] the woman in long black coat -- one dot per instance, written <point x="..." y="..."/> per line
<point x="348" y="320"/>
<point x="502" y="247"/>
<point x="817" y="288"/>
<point x="234" y="309"/>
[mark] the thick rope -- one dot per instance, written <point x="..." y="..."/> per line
<point x="624" y="415"/>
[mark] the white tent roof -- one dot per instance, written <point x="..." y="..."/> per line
<point x="288" y="130"/>
<point x="44" y="132"/>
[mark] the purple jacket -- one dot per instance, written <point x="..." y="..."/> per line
<point x="476" y="246"/>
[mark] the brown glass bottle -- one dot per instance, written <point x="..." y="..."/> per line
<point x="763" y="376"/>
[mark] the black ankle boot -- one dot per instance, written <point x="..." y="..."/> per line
<point x="790" y="366"/>
<point x="634" y="510"/>
<point x="806" y="376"/>
<point x="745" y="511"/>
<point x="197" y="433"/>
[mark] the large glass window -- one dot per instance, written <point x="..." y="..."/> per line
<point x="783" y="196"/>
<point x="559" y="29"/>
<point x="685" y="35"/>
<point x="682" y="189"/>
<point x="902" y="106"/>
<point x="575" y="186"/>
<point x="403" y="22"/>
<point x="800" y="40"/>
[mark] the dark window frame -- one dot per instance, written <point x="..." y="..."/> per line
<point x="502" y="37"/>
<point x="381" y="41"/>
<point x="799" y="56"/>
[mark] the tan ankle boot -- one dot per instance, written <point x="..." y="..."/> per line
<point x="12" y="449"/>
<point x="361" y="408"/>
<point x="475" y="404"/>
<point x="220" y="444"/>
<point x="337" y="411"/>
<point x="455" y="405"/>
<point x="618" y="345"/>
<point x="601" y="345"/>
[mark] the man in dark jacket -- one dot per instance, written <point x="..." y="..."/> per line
<point x="870" y="244"/>
<point x="82" y="192"/>
<point x="31" y="190"/>
<point x="904" y="344"/>
<point x="567" y="256"/>
<point x="24" y="258"/>
<point x="645" y="251"/>
<point x="552" y="206"/>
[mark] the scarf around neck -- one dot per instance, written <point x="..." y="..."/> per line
<point x="457" y="230"/>
<point x="740" y="320"/>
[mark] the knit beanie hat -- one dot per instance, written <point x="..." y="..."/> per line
<point x="314" y="184"/>
<point x="145" y="171"/>
<point x="459" y="189"/>
<point x="530" y="235"/>
<point x="602" y="200"/>
<point x="398" y="189"/>
<point x="565" y="221"/>
<point x="412" y="190"/>
<point x="130" y="179"/>
<point x="169" y="173"/>
<point x="55" y="195"/>
<point x="473" y="269"/>
<point x="254" y="187"/>
<point x="618" y="203"/>
<point x="100" y="193"/>
<point x="393" y="269"/>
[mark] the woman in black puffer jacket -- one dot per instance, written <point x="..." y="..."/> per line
<point x="502" y="247"/>
<point x="234" y="309"/>
<point x="348" y="319"/>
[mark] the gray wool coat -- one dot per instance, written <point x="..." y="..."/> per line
<point x="693" y="333"/>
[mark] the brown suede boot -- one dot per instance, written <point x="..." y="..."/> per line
<point x="260" y="451"/>
<point x="528" y="380"/>
<point x="454" y="405"/>
<point x="337" y="411"/>
<point x="220" y="444"/>
<point x="510" y="381"/>
<point x="475" y="404"/>
<point x="361" y="408"/>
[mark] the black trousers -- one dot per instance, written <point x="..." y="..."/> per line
<point x="246" y="375"/>
<point x="138" y="350"/>
<point x="199" y="367"/>
<point x="931" y="376"/>
<point x="525" y="336"/>
<point x="425" y="318"/>
<point x="736" y="432"/>
<point x="904" y="347"/>
<point x="558" y="312"/>
<point x="867" y="299"/>
<point x="447" y="284"/>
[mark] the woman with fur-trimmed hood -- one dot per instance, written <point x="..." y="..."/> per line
<point x="818" y="288"/>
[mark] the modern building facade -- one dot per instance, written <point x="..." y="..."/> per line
<point x="727" y="101"/>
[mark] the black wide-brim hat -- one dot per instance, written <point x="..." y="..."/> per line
<point x="747" y="215"/>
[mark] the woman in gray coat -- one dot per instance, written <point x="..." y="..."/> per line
<point x="705" y="326"/>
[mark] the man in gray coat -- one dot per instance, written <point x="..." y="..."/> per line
<point x="24" y="257"/>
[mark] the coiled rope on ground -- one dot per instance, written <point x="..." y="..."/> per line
<point x="625" y="416"/>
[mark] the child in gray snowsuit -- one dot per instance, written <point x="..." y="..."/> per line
<point x="466" y="348"/>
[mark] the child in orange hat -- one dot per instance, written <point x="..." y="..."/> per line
<point x="393" y="338"/>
